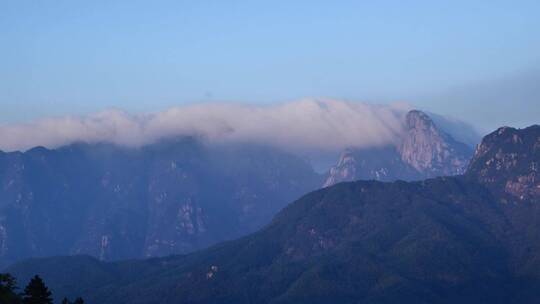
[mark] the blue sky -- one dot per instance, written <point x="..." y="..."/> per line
<point x="75" y="57"/>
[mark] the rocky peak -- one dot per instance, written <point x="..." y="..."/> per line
<point x="344" y="170"/>
<point x="423" y="151"/>
<point x="419" y="120"/>
<point x="508" y="161"/>
<point x="428" y="149"/>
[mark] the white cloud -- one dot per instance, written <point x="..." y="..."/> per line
<point x="304" y="124"/>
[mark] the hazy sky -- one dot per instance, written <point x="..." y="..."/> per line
<point x="476" y="60"/>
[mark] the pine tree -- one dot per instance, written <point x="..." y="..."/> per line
<point x="78" y="301"/>
<point x="8" y="289"/>
<point x="66" y="301"/>
<point x="36" y="292"/>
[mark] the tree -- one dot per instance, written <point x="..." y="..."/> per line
<point x="78" y="301"/>
<point x="36" y="292"/>
<point x="8" y="287"/>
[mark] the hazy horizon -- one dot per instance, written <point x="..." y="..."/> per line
<point x="478" y="62"/>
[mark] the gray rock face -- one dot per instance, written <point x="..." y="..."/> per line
<point x="424" y="151"/>
<point x="383" y="164"/>
<point x="429" y="150"/>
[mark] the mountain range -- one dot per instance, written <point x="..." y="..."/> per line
<point x="182" y="194"/>
<point x="113" y="203"/>
<point x="472" y="238"/>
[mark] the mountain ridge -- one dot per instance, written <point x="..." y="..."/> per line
<point x="176" y="195"/>
<point x="444" y="240"/>
<point x="114" y="202"/>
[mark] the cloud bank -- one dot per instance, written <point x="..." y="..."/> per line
<point x="305" y="124"/>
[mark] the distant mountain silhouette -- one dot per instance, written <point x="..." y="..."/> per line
<point x="113" y="203"/>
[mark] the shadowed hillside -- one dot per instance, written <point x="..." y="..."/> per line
<point x="443" y="240"/>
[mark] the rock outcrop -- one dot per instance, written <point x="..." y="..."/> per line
<point x="423" y="151"/>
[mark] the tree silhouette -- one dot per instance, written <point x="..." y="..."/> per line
<point x="78" y="301"/>
<point x="36" y="292"/>
<point x="8" y="287"/>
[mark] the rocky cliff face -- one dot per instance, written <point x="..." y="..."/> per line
<point x="429" y="150"/>
<point x="508" y="161"/>
<point x="383" y="164"/>
<point x="114" y="203"/>
<point x="424" y="151"/>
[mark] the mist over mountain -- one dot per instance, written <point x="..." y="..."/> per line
<point x="269" y="152"/>
<point x="301" y="126"/>
<point x="423" y="151"/>
<point x="181" y="194"/>
<point x="460" y="130"/>
<point x="457" y="239"/>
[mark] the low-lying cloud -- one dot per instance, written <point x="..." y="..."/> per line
<point x="305" y="124"/>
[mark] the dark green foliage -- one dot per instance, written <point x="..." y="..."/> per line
<point x="8" y="289"/>
<point x="36" y="292"/>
